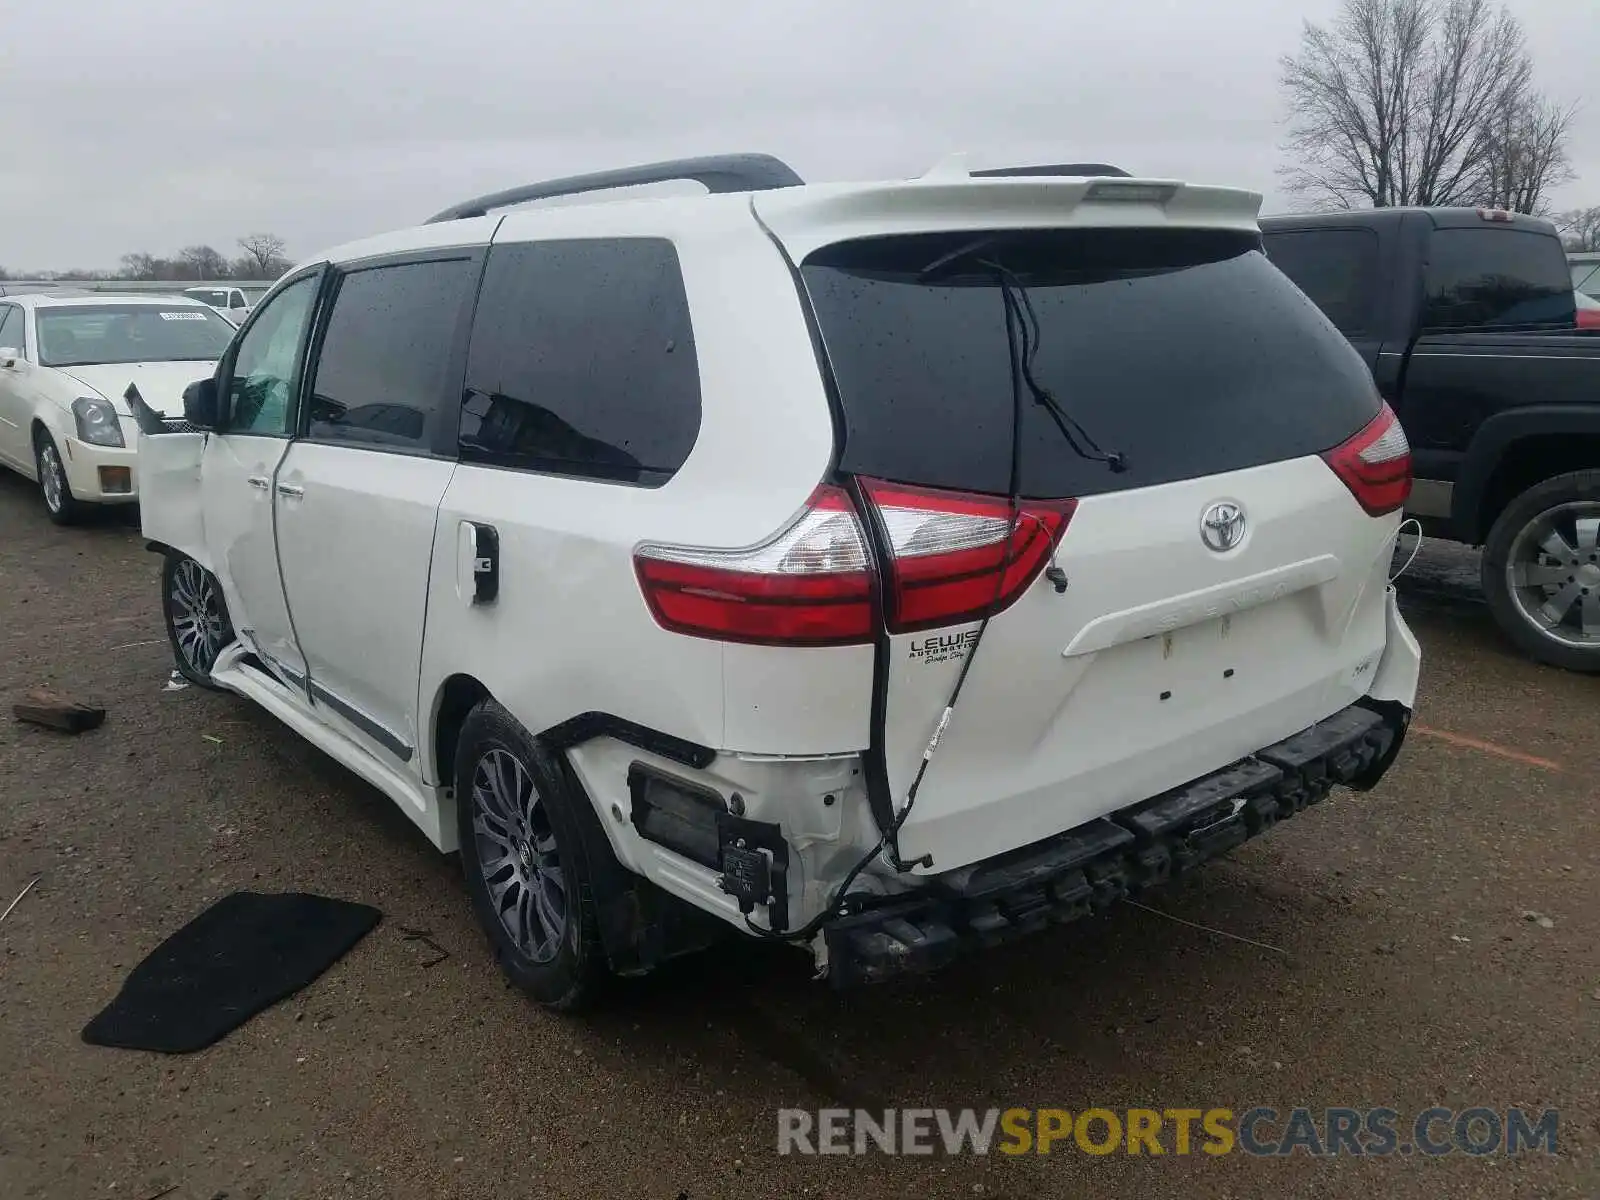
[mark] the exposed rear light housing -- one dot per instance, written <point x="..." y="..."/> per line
<point x="1375" y="464"/>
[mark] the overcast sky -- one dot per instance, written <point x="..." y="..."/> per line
<point x="146" y="125"/>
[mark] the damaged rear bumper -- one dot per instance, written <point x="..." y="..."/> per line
<point x="1096" y="864"/>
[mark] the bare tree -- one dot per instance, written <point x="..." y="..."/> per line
<point x="1524" y="153"/>
<point x="1580" y="228"/>
<point x="1398" y="102"/>
<point x="203" y="262"/>
<point x="139" y="266"/>
<point x="264" y="252"/>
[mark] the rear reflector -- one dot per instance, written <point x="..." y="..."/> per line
<point x="1375" y="464"/>
<point x="807" y="585"/>
<point x="956" y="556"/>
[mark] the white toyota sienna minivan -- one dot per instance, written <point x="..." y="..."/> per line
<point x="888" y="568"/>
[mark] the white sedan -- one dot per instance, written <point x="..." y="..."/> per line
<point x="65" y="362"/>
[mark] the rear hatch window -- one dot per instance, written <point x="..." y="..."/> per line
<point x="1185" y="351"/>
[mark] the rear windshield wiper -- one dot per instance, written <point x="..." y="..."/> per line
<point x="1015" y="296"/>
<point x="1022" y="325"/>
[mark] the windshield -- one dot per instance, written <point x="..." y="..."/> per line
<point x="88" y="334"/>
<point x="216" y="296"/>
<point x="1185" y="351"/>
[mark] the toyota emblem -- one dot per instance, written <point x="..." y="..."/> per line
<point x="1222" y="526"/>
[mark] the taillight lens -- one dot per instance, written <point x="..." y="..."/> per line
<point x="1375" y="464"/>
<point x="1589" y="318"/>
<point x="955" y="556"/>
<point x="807" y="585"/>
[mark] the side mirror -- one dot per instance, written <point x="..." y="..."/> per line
<point x="10" y="356"/>
<point x="200" y="406"/>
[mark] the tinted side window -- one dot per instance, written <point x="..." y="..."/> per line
<point x="583" y="362"/>
<point x="1487" y="277"/>
<point x="381" y="376"/>
<point x="1337" y="268"/>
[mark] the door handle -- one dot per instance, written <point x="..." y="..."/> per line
<point x="259" y="482"/>
<point x="480" y="549"/>
<point x="292" y="490"/>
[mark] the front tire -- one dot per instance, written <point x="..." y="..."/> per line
<point x="197" y="617"/>
<point x="1541" y="571"/>
<point x="522" y="854"/>
<point x="64" y="508"/>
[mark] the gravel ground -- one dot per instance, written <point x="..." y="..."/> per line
<point x="1408" y="975"/>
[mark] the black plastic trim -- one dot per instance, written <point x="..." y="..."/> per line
<point x="361" y="721"/>
<point x="585" y="727"/>
<point x="718" y="172"/>
<point x="742" y="841"/>
<point x="1495" y="438"/>
<point x="272" y="666"/>
<point x="1091" y="867"/>
<point x="641" y="926"/>
<point x="1398" y="717"/>
<point x="669" y="831"/>
<point x="447" y="429"/>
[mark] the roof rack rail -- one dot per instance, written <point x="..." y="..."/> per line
<point x="1084" y="170"/>
<point x="719" y="173"/>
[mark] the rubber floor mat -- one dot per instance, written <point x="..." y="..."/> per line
<point x="242" y="955"/>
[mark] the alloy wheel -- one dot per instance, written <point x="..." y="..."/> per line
<point x="1553" y="573"/>
<point x="196" y="609"/>
<point x="50" y="476"/>
<point x="517" y="855"/>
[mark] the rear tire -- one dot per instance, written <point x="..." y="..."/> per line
<point x="522" y="854"/>
<point x="1541" y="571"/>
<point x="197" y="619"/>
<point x="64" y="508"/>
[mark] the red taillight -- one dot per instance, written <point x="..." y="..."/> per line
<point x="1589" y="318"/>
<point x="1375" y="464"/>
<point x="955" y="556"/>
<point x="807" y="585"/>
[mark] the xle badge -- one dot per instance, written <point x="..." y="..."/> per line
<point x="942" y="647"/>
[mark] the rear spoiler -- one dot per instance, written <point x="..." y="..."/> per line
<point x="950" y="199"/>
